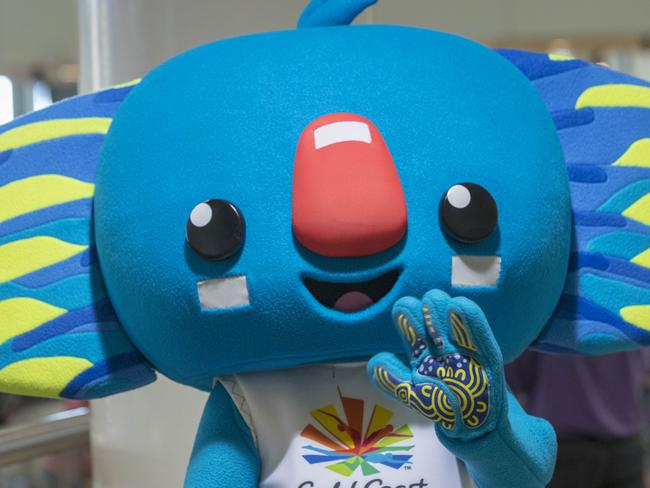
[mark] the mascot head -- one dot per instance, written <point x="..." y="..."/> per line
<point x="261" y="202"/>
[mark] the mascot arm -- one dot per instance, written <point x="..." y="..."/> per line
<point x="521" y="451"/>
<point x="455" y="377"/>
<point x="224" y="453"/>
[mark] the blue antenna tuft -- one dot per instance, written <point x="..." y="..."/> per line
<point x="324" y="13"/>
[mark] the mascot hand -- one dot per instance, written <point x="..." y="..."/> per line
<point x="454" y="376"/>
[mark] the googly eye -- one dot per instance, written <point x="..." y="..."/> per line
<point x="468" y="213"/>
<point x="215" y="229"/>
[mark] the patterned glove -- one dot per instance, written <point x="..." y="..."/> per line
<point x="454" y="374"/>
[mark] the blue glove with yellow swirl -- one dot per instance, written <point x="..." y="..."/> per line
<point x="454" y="376"/>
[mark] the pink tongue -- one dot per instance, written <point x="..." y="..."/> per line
<point x="353" y="301"/>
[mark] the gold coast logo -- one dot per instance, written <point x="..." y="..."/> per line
<point x="344" y="446"/>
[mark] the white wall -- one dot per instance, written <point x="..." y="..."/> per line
<point x="131" y="37"/>
<point x="144" y="438"/>
<point x="37" y="31"/>
<point x="521" y="18"/>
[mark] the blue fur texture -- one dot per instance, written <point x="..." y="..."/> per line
<point x="319" y="13"/>
<point x="223" y="121"/>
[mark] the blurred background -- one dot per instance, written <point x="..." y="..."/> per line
<point x="50" y="50"/>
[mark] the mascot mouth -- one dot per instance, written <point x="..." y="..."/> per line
<point x="353" y="296"/>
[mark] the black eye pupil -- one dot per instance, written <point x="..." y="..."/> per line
<point x="215" y="229"/>
<point x="468" y="213"/>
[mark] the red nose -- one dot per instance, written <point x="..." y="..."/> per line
<point x="347" y="195"/>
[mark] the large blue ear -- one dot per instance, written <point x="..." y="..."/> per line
<point x="59" y="336"/>
<point x="603" y="122"/>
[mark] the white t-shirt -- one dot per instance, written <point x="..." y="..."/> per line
<point x="327" y="426"/>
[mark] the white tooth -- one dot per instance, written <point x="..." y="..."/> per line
<point x="223" y="292"/>
<point x="475" y="270"/>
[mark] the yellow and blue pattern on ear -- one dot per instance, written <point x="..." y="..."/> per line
<point x="603" y="122"/>
<point x="59" y="335"/>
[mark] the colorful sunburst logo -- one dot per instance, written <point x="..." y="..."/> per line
<point x="348" y="446"/>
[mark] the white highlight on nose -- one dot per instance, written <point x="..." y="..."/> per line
<point x="201" y="215"/>
<point x="459" y="196"/>
<point x="223" y="292"/>
<point x="341" y="132"/>
<point x="475" y="270"/>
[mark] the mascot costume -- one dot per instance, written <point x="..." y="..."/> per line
<point x="254" y="217"/>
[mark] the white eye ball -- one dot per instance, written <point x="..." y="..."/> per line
<point x="201" y="215"/>
<point x="459" y="196"/>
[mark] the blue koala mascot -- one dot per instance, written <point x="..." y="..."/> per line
<point x="247" y="218"/>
